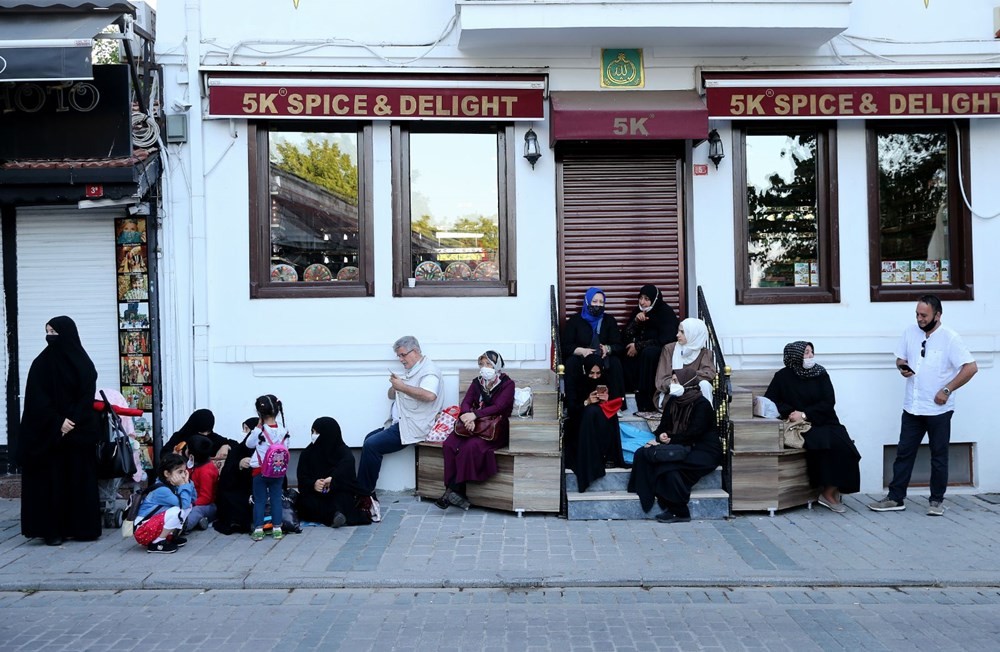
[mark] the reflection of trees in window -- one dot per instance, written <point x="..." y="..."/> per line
<point x="781" y="211"/>
<point x="314" y="204"/>
<point x="913" y="195"/>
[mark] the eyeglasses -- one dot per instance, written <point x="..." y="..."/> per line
<point x="403" y="355"/>
<point x="923" y="349"/>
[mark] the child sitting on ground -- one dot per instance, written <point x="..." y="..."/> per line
<point x="268" y="469"/>
<point x="205" y="476"/>
<point x="162" y="512"/>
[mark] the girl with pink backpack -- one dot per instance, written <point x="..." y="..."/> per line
<point x="268" y="463"/>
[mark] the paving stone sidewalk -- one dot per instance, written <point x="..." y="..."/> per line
<point x="419" y="546"/>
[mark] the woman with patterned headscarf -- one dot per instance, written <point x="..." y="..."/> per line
<point x="652" y="326"/>
<point x="473" y="459"/>
<point x="802" y="391"/>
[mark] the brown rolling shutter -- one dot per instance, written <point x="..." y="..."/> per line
<point x="620" y="228"/>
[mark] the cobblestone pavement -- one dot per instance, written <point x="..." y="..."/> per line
<point x="491" y="619"/>
<point x="420" y="547"/>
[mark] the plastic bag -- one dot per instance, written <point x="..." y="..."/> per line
<point x="522" y="402"/>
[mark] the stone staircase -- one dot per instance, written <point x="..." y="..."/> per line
<point x="608" y="497"/>
<point x="766" y="475"/>
<point x="528" y="479"/>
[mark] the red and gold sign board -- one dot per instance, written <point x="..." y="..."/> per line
<point x="853" y="98"/>
<point x="304" y="99"/>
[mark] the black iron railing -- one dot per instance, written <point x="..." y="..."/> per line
<point x="558" y="369"/>
<point x="722" y="394"/>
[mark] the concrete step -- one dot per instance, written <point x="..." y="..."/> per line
<point x="618" y="505"/>
<point x="617" y="480"/>
<point x="757" y="434"/>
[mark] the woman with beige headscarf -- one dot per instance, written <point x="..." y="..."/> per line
<point x="690" y="351"/>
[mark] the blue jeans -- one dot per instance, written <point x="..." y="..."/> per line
<point x="378" y="443"/>
<point x="265" y="489"/>
<point x="911" y="432"/>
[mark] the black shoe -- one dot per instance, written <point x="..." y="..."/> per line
<point x="457" y="499"/>
<point x="442" y="502"/>
<point x="670" y="517"/>
<point x="177" y="540"/>
<point x="54" y="541"/>
<point x="339" y="520"/>
<point x="166" y="546"/>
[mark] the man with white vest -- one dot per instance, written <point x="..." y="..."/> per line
<point x="417" y="399"/>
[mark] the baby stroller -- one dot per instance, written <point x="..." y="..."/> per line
<point x="115" y="467"/>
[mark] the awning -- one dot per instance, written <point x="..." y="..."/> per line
<point x="785" y="96"/>
<point x="47" y="40"/>
<point x="628" y="115"/>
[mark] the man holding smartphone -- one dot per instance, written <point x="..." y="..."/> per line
<point x="935" y="363"/>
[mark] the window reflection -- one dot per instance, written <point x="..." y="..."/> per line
<point x="913" y="207"/>
<point x="454" y="207"/>
<point x="313" y="183"/>
<point x="782" y="209"/>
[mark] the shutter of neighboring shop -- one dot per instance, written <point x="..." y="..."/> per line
<point x="66" y="266"/>
<point x="620" y="229"/>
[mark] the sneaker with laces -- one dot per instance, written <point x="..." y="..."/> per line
<point x="458" y="500"/>
<point x="177" y="540"/>
<point x="164" y="546"/>
<point x="277" y="533"/>
<point x="935" y="508"/>
<point x="887" y="505"/>
<point x="376" y="511"/>
<point x="257" y="535"/>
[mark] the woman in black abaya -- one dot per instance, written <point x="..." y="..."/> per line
<point x="57" y="441"/>
<point x="652" y="326"/>
<point x="232" y="495"/>
<point x="328" y="485"/>
<point x="593" y="440"/>
<point x="802" y="391"/>
<point x="201" y="422"/>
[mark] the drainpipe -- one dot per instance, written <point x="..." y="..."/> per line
<point x="198" y="225"/>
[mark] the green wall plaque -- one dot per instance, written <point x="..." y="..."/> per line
<point x="622" y="68"/>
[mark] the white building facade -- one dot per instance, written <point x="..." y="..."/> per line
<point x="354" y="172"/>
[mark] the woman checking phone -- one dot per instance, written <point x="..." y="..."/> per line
<point x="593" y="441"/>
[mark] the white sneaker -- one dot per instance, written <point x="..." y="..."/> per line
<point x="376" y="511"/>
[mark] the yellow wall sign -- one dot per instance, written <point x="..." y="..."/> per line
<point x="622" y="68"/>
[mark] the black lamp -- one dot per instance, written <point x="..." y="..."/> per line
<point x="715" y="151"/>
<point x="531" y="150"/>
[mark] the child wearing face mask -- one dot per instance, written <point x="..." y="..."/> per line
<point x="472" y="459"/>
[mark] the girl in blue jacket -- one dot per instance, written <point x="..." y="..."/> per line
<point x="163" y="510"/>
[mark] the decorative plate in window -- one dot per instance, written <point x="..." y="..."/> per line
<point x="349" y="273"/>
<point x="487" y="270"/>
<point x="428" y="270"/>
<point x="317" y="272"/>
<point x="284" y="273"/>
<point x="458" y="272"/>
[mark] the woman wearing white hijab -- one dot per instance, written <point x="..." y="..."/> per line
<point x="690" y="351"/>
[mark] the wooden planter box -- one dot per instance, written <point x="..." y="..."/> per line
<point x="770" y="480"/>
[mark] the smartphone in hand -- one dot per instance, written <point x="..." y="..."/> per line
<point x="905" y="367"/>
<point x="602" y="389"/>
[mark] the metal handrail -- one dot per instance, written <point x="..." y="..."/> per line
<point x="722" y="394"/>
<point x="558" y="369"/>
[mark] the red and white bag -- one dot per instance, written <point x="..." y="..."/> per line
<point x="444" y="424"/>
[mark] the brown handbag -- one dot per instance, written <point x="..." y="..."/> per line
<point x="485" y="428"/>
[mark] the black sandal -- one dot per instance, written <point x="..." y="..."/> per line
<point x="442" y="502"/>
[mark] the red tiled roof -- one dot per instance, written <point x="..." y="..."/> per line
<point x="138" y="156"/>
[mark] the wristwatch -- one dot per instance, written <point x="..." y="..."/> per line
<point x="947" y="392"/>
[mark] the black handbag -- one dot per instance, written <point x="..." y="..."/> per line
<point x="114" y="450"/>
<point x="670" y="452"/>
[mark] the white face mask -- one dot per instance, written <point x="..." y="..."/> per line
<point x="676" y="390"/>
<point x="487" y="373"/>
<point x="314" y="436"/>
<point x="808" y="363"/>
<point x="190" y="463"/>
<point x="646" y="309"/>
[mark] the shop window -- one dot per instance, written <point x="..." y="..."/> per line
<point x="311" y="224"/>
<point x="920" y="231"/>
<point x="786" y="227"/>
<point x="453" y="211"/>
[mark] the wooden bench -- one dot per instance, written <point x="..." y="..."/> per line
<point x="765" y="474"/>
<point x="529" y="467"/>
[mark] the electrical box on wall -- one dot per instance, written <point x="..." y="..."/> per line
<point x="177" y="128"/>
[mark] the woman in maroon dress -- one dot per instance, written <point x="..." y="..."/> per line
<point x="472" y="459"/>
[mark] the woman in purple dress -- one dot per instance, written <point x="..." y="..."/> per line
<point x="472" y="459"/>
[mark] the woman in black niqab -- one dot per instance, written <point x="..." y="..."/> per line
<point x="232" y="495"/>
<point x="328" y="485"/>
<point x="201" y="422"/>
<point x="57" y="441"/>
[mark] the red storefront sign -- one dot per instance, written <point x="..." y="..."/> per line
<point x="927" y="97"/>
<point x="240" y="97"/>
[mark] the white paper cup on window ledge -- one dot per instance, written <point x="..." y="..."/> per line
<point x="411" y="282"/>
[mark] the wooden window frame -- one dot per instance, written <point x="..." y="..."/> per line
<point x="261" y="286"/>
<point x="959" y="222"/>
<point x="506" y="217"/>
<point x="828" y="247"/>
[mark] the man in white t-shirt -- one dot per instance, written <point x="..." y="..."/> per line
<point x="935" y="363"/>
<point x="417" y="399"/>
